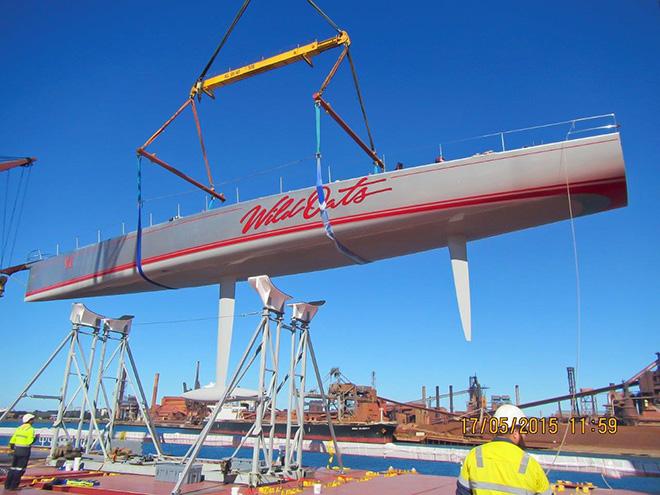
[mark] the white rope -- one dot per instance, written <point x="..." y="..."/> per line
<point x="578" y="332"/>
<point x="609" y="487"/>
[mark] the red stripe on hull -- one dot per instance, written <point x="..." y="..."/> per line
<point x="612" y="188"/>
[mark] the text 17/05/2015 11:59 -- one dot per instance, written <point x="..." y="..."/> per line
<point x="602" y="425"/>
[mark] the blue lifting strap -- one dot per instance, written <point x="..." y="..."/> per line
<point x="138" y="235"/>
<point x="321" y="198"/>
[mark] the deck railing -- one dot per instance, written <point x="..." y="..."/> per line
<point x="528" y="136"/>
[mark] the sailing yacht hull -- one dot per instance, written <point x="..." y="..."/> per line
<point x="376" y="217"/>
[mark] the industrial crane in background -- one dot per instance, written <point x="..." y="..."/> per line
<point x="12" y="210"/>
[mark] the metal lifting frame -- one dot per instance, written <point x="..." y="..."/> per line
<point x="207" y="87"/>
<point x="318" y="99"/>
<point x="305" y="53"/>
<point x="301" y="53"/>
<point x="101" y="330"/>
<point x="142" y="151"/>
<point x="265" y="345"/>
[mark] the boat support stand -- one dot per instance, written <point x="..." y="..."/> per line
<point x="264" y="348"/>
<point x="101" y="330"/>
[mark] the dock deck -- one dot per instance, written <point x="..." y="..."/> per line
<point x="354" y="482"/>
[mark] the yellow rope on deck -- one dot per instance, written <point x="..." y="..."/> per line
<point x="342" y="479"/>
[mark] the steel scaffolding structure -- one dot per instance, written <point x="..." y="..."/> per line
<point x="264" y="348"/>
<point x="92" y="334"/>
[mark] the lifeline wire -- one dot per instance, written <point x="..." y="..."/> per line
<point x="321" y="197"/>
<point x="207" y="318"/>
<point x="138" y="236"/>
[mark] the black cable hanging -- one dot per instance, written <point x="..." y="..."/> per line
<point x="237" y="17"/>
<point x="360" y="100"/>
<point x="324" y="15"/>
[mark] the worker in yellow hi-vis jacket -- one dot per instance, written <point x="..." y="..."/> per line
<point x="502" y="466"/>
<point x="21" y="443"/>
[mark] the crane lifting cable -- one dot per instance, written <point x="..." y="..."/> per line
<point x="13" y="203"/>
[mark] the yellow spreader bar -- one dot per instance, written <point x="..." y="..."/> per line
<point x="305" y="53"/>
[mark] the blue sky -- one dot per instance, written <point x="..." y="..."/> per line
<point x="85" y="83"/>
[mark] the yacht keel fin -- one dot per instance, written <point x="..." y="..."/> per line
<point x="459" y="267"/>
